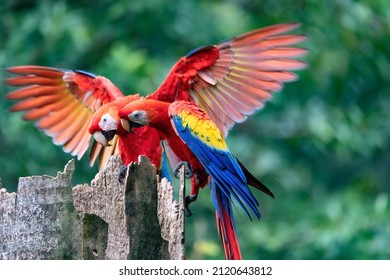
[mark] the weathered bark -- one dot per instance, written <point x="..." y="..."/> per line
<point x="141" y="207"/>
<point x="48" y="219"/>
<point x="40" y="221"/>
<point x="167" y="206"/>
<point x="95" y="236"/>
<point x="105" y="199"/>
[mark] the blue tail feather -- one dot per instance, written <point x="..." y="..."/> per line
<point x="164" y="171"/>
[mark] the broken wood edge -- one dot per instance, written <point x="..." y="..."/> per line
<point x="35" y="220"/>
<point x="82" y="206"/>
<point x="174" y="228"/>
<point x="81" y="198"/>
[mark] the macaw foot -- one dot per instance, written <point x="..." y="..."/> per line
<point x="122" y="173"/>
<point x="187" y="170"/>
<point x="187" y="201"/>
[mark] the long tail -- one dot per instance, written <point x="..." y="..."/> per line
<point x="225" y="225"/>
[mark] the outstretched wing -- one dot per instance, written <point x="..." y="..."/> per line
<point x="62" y="103"/>
<point x="205" y="140"/>
<point x="233" y="79"/>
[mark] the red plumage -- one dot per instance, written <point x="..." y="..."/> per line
<point x="146" y="142"/>
<point x="229" y="81"/>
<point x="227" y="232"/>
<point x="155" y="114"/>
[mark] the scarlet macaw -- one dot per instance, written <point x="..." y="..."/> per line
<point x="105" y="124"/>
<point x="229" y="81"/>
<point x="66" y="104"/>
<point x="195" y="138"/>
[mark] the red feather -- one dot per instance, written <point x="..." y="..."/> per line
<point x="229" y="81"/>
<point x="228" y="236"/>
<point x="157" y="116"/>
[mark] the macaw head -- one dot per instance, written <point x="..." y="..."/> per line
<point x="105" y="124"/>
<point x="143" y="112"/>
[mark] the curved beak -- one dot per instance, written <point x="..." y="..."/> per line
<point x="129" y="125"/>
<point x="125" y="124"/>
<point x="104" y="137"/>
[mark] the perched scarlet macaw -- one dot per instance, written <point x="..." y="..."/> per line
<point x="194" y="138"/>
<point x="229" y="81"/>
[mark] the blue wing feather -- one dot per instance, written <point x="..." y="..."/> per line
<point x="222" y="166"/>
<point x="85" y="73"/>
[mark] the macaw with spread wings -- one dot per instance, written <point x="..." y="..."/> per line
<point x="229" y="81"/>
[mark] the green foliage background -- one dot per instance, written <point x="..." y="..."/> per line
<point x="322" y="144"/>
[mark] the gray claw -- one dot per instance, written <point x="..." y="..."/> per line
<point x="188" y="173"/>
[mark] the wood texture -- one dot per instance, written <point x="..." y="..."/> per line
<point x="48" y="219"/>
<point x="40" y="221"/>
<point x="105" y="199"/>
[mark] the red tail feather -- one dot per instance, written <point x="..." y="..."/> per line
<point x="228" y="235"/>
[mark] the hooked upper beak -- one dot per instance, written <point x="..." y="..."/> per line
<point x="104" y="137"/>
<point x="129" y="125"/>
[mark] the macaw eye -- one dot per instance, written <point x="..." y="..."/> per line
<point x="136" y="115"/>
<point x="104" y="119"/>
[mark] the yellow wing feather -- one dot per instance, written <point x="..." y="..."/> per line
<point x="203" y="129"/>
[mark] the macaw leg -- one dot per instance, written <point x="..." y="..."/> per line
<point x="195" y="183"/>
<point x="122" y="173"/>
<point x="187" y="201"/>
<point x="187" y="170"/>
<point x="188" y="173"/>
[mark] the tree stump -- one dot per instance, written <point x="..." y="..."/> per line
<point x="137" y="219"/>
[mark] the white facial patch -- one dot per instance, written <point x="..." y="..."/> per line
<point x="107" y="123"/>
<point x="139" y="116"/>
